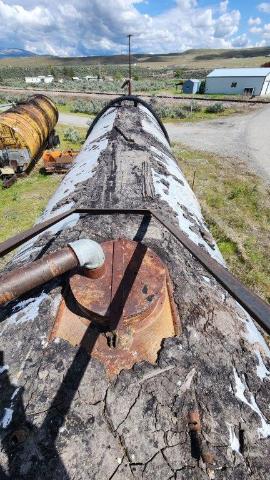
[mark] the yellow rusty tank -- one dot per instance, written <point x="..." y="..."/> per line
<point x="27" y="127"/>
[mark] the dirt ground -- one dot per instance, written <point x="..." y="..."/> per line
<point x="241" y="137"/>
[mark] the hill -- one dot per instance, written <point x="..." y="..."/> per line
<point x="15" y="53"/>
<point x="194" y="58"/>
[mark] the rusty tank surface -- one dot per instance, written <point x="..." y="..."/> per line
<point x="143" y="358"/>
<point x="25" y="130"/>
<point x="58" y="161"/>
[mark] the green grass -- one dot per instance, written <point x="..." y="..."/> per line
<point x="236" y="206"/>
<point x="23" y="202"/>
<point x="66" y="144"/>
<point x="67" y="109"/>
<point x="202" y="115"/>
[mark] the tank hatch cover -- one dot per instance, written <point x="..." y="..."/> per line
<point x="122" y="317"/>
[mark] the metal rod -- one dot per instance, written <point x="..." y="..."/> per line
<point x="129" y="63"/>
<point x="21" y="238"/>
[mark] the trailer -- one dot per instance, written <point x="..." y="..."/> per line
<point x="129" y="351"/>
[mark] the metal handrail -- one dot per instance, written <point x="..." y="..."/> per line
<point x="251" y="302"/>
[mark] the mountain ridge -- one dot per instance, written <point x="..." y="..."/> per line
<point x="15" y="52"/>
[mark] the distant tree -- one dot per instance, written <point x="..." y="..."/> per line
<point x="266" y="65"/>
<point x="52" y="72"/>
<point x="202" y="87"/>
<point x="117" y="75"/>
<point x="68" y="72"/>
<point x="178" y="73"/>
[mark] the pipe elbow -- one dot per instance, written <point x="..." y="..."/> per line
<point x="89" y="253"/>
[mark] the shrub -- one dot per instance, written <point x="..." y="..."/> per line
<point x="92" y="108"/>
<point x="61" y="101"/>
<point x="194" y="106"/>
<point x="71" y="135"/>
<point x="165" y="111"/>
<point x="215" y="108"/>
<point x="202" y="87"/>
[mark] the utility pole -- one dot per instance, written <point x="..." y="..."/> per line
<point x="129" y="62"/>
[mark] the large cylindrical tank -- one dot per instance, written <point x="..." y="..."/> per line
<point x="25" y="130"/>
<point x="200" y="410"/>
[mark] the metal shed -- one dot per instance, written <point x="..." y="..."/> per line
<point x="239" y="81"/>
<point x="191" y="86"/>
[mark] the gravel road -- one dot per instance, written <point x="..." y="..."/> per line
<point x="243" y="137"/>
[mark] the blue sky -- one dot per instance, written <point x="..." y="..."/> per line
<point x="89" y="27"/>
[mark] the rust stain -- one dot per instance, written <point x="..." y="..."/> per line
<point x="194" y="421"/>
<point x="131" y="301"/>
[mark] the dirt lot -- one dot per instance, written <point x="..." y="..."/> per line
<point x="243" y="137"/>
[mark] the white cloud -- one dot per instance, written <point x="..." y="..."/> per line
<point x="223" y="6"/>
<point x="241" y="41"/>
<point x="254" y="21"/>
<point x="264" y="7"/>
<point x="227" y="24"/>
<point x="255" y="30"/>
<point x="263" y="31"/>
<point x="81" y="27"/>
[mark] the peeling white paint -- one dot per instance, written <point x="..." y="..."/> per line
<point x="252" y="334"/>
<point x="262" y="371"/>
<point x="188" y="380"/>
<point x="179" y="196"/>
<point x="81" y="171"/>
<point x="27" y="310"/>
<point x="151" y="126"/>
<point x="175" y="197"/>
<point x="234" y="442"/>
<point x="104" y="125"/>
<point x="264" y="430"/>
<point x="8" y="412"/>
<point x="47" y="214"/>
<point x="6" y="418"/>
<point x="28" y="249"/>
<point x="15" y="393"/>
<point x="206" y="279"/>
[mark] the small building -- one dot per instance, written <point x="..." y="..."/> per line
<point x="91" y="78"/>
<point x="76" y="79"/>
<point x="39" y="79"/>
<point x="238" y="81"/>
<point x="191" y="86"/>
<point x="32" y="79"/>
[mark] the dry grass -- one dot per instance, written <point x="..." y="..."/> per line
<point x="236" y="205"/>
<point x="195" y="58"/>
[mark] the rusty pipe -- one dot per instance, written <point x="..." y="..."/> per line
<point x="84" y="253"/>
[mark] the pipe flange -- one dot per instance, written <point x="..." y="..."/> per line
<point x="88" y="252"/>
